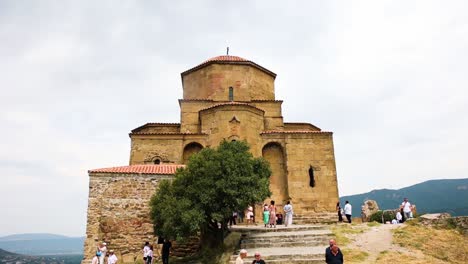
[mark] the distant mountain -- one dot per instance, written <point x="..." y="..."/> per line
<point x="9" y="257"/>
<point x="32" y="236"/>
<point x="432" y="196"/>
<point x="42" y="244"/>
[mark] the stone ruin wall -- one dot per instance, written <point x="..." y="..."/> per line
<point x="119" y="213"/>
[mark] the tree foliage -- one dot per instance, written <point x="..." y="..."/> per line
<point x="203" y="195"/>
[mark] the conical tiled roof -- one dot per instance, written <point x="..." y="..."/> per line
<point x="229" y="59"/>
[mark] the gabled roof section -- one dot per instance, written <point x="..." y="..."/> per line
<point x="228" y="59"/>
<point x="232" y="103"/>
<point x="167" y="169"/>
<point x="155" y="125"/>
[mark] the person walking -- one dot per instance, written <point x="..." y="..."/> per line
<point x="146" y="249"/>
<point x="272" y="209"/>
<point x="95" y="259"/>
<point x="249" y="216"/>
<point x="102" y="248"/>
<point x="348" y="211"/>
<point x="112" y="259"/>
<point x="258" y="259"/>
<point x="334" y="256"/>
<point x="149" y="258"/>
<point x="241" y="257"/>
<point x="288" y="211"/>
<point x="166" y="249"/>
<point x="407" y="208"/>
<point x="338" y="209"/>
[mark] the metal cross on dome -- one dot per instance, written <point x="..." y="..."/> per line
<point x="227" y="51"/>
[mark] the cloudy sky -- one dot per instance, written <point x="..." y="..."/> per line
<point x="389" y="78"/>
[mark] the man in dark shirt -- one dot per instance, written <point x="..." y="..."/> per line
<point x="165" y="251"/>
<point x="257" y="259"/>
<point x="333" y="254"/>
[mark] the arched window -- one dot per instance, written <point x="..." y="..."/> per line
<point x="191" y="149"/>
<point x="311" y="177"/>
<point x="157" y="161"/>
<point x="231" y="94"/>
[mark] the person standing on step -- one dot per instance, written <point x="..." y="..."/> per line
<point x="272" y="210"/>
<point x="146" y="249"/>
<point x="348" y="211"/>
<point x="112" y="259"/>
<point x="241" y="257"/>
<point x="166" y="248"/>
<point x="96" y="258"/>
<point x="103" y="249"/>
<point x="266" y="215"/>
<point x="338" y="209"/>
<point x="258" y="259"/>
<point x="288" y="211"/>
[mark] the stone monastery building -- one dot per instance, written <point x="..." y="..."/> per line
<point x="225" y="97"/>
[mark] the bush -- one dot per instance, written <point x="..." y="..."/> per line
<point x="387" y="216"/>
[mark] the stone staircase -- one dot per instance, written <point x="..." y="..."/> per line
<point x="316" y="218"/>
<point x="298" y="244"/>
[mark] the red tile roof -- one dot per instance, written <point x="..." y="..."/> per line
<point x="167" y="133"/>
<point x="228" y="59"/>
<point x="143" y="169"/>
<point x="295" y="132"/>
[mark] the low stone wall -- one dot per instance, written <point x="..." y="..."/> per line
<point x="444" y="219"/>
<point x="119" y="213"/>
<point x="462" y="223"/>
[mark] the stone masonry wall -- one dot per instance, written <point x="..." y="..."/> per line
<point x="119" y="213"/>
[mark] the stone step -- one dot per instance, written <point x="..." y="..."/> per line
<point x="286" y="239"/>
<point x="286" y="255"/>
<point x="296" y="260"/>
<point x="279" y="228"/>
<point x="283" y="244"/>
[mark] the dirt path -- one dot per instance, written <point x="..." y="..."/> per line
<point x="376" y="240"/>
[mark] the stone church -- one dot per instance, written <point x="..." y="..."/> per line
<point x="224" y="98"/>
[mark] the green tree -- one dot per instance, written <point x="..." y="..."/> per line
<point x="203" y="195"/>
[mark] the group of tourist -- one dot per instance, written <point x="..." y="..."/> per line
<point x="347" y="211"/>
<point x="271" y="216"/>
<point x="404" y="213"/>
<point x="101" y="254"/>
<point x="243" y="255"/>
<point x="333" y="255"/>
<point x="148" y="253"/>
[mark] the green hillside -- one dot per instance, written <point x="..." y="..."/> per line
<point x="9" y="257"/>
<point x="41" y="244"/>
<point x="432" y="196"/>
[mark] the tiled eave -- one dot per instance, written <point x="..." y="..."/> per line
<point x="294" y="132"/>
<point x="163" y="169"/>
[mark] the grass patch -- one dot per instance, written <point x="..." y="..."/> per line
<point x="441" y="244"/>
<point x="373" y="223"/>
<point x="397" y="257"/>
<point x="340" y="233"/>
<point x="354" y="255"/>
